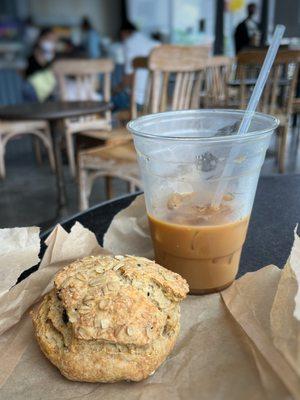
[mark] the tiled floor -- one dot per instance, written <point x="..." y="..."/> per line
<point x="28" y="194"/>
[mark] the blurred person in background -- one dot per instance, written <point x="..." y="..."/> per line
<point x="91" y="41"/>
<point x="43" y="52"/>
<point x="31" y="33"/>
<point x="40" y="78"/>
<point x="135" y="44"/>
<point x="116" y="53"/>
<point x="247" y="32"/>
<point x="158" y="36"/>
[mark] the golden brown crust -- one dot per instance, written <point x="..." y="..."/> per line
<point x="110" y="318"/>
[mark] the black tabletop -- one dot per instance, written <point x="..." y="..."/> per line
<point x="52" y="110"/>
<point x="275" y="214"/>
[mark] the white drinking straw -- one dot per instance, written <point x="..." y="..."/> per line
<point x="255" y="97"/>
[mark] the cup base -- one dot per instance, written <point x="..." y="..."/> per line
<point x="211" y="290"/>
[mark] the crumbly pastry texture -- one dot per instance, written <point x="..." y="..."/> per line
<point x="110" y="318"/>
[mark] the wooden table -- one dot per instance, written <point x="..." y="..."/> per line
<point x="54" y="112"/>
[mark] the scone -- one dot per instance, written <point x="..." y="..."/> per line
<point x="110" y="318"/>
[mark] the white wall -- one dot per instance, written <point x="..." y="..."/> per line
<point x="172" y="15"/>
<point x="150" y="15"/>
<point x="187" y="15"/>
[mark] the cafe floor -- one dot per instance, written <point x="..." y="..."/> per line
<point x="28" y="193"/>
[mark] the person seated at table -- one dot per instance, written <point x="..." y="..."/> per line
<point x="247" y="33"/>
<point x="135" y="44"/>
<point x="91" y="41"/>
<point x="40" y="77"/>
<point x="43" y="52"/>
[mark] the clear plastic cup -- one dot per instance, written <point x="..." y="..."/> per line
<point x="182" y="157"/>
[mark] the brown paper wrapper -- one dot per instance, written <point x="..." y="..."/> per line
<point x="19" y="251"/>
<point x="62" y="248"/>
<point x="129" y="232"/>
<point x="225" y="349"/>
<point x="249" y="305"/>
<point x="285" y="313"/>
<point x="210" y="360"/>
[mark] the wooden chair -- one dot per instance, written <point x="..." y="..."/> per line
<point x="81" y="80"/>
<point x="216" y="92"/>
<point x="279" y="93"/>
<point x="177" y="74"/>
<point x="173" y="70"/>
<point x="117" y="159"/>
<point x="296" y="102"/>
<point x="39" y="129"/>
<point x="11" y="92"/>
<point x="114" y="161"/>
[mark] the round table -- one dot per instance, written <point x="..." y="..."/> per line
<point x="54" y="112"/>
<point x="275" y="214"/>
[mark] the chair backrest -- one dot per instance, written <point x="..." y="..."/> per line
<point x="80" y="79"/>
<point x="138" y="63"/>
<point x="218" y="70"/>
<point x="176" y="76"/>
<point x="279" y="91"/>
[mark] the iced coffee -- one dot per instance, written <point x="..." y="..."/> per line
<point x="201" y="243"/>
<point x="199" y="177"/>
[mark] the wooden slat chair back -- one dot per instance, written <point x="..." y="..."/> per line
<point x="279" y="93"/>
<point x="80" y="79"/>
<point x="139" y="63"/>
<point x="216" y="92"/>
<point x="85" y="76"/>
<point x="117" y="159"/>
<point x="183" y="66"/>
<point x="11" y="86"/>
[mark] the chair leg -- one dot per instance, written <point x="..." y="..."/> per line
<point x="71" y="153"/>
<point x="83" y="183"/>
<point x="49" y="147"/>
<point x="44" y="136"/>
<point x="132" y="187"/>
<point x="2" y="162"/>
<point x="108" y="187"/>
<point x="282" y="147"/>
<point x="37" y="150"/>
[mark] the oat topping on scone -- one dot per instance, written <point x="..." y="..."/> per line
<point x="110" y="318"/>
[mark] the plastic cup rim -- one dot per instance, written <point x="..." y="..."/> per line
<point x="151" y="118"/>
